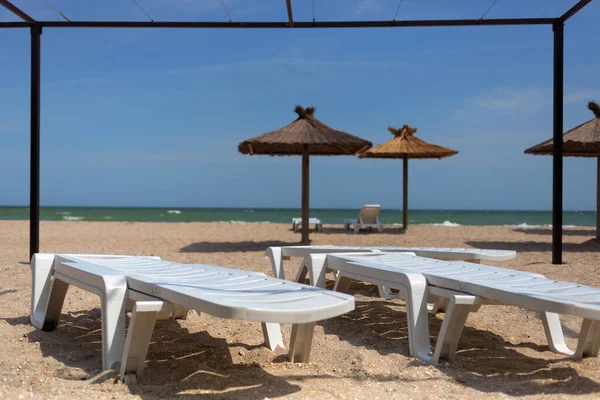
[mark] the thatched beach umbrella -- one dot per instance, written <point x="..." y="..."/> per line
<point x="405" y="145"/>
<point x="305" y="136"/>
<point x="581" y="141"/>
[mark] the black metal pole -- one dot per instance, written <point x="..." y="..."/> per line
<point x="34" y="183"/>
<point x="405" y="192"/>
<point x="305" y="193"/>
<point x="297" y="24"/>
<point x="557" y="161"/>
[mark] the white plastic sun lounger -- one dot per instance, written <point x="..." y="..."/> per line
<point x="158" y="288"/>
<point x="317" y="277"/>
<point x="368" y="218"/>
<point x="466" y="286"/>
<point x="297" y="223"/>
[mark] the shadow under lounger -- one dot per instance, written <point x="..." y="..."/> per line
<point x="158" y="288"/>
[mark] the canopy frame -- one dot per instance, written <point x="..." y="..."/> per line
<point x="558" y="82"/>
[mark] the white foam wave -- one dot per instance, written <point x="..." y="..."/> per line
<point x="71" y="218"/>
<point x="64" y="213"/>
<point x="243" y="222"/>
<point x="447" y="223"/>
<point x="525" y="225"/>
<point x="174" y="212"/>
<point x="108" y="217"/>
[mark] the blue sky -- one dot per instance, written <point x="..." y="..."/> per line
<point x="153" y="117"/>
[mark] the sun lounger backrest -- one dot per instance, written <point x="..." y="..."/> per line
<point x="369" y="214"/>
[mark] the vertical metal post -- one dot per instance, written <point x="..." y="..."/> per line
<point x="305" y="193"/>
<point x="557" y="161"/>
<point x="405" y="192"/>
<point x="34" y="157"/>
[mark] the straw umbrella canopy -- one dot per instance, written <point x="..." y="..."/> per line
<point x="403" y="146"/>
<point x="581" y="141"/>
<point x="305" y="136"/>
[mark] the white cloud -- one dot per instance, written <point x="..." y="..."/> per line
<point x="526" y="100"/>
<point x="366" y="6"/>
<point x="303" y="63"/>
<point x="200" y="7"/>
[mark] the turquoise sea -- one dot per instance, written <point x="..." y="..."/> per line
<point x="284" y="215"/>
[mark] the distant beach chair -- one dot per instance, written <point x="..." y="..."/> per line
<point x="158" y="289"/>
<point x="466" y="286"/>
<point x="368" y="218"/>
<point x="278" y="254"/>
<point x="297" y="223"/>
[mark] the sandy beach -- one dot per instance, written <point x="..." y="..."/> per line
<point x="363" y="354"/>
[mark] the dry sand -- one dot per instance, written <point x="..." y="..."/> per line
<point x="361" y="355"/>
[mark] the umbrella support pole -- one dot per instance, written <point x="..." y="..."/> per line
<point x="405" y="192"/>
<point x="557" y="127"/>
<point x="34" y="157"/>
<point x="305" y="193"/>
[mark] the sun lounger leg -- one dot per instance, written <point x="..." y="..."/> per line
<point x="141" y="326"/>
<point x="302" y="272"/>
<point x="41" y="279"/>
<point x="113" y="322"/>
<point x="589" y="339"/>
<point x="315" y="265"/>
<point x="272" y="334"/>
<point x="385" y="292"/>
<point x="301" y="342"/>
<point x="554" y="333"/>
<point x="416" y="312"/>
<point x="274" y="254"/>
<point x="180" y="313"/>
<point x="440" y="304"/>
<point x="129" y="305"/>
<point x="56" y="300"/>
<point x="342" y="283"/>
<point x="458" y="310"/>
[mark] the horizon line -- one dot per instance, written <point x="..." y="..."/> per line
<point x="292" y="208"/>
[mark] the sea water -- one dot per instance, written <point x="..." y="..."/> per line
<point x="285" y="215"/>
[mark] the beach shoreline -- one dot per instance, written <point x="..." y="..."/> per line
<point x="387" y="216"/>
<point x="363" y="354"/>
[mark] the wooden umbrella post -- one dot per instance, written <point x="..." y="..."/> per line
<point x="305" y="192"/>
<point x="598" y="200"/>
<point x="405" y="192"/>
<point x="304" y="135"/>
<point x="403" y="146"/>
